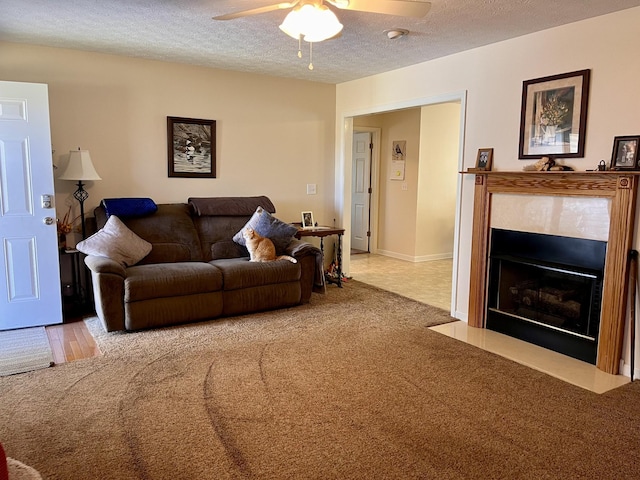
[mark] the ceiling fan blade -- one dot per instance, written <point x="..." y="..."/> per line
<point x="400" y="8"/>
<point x="255" y="11"/>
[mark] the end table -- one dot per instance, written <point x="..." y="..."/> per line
<point x="322" y="232"/>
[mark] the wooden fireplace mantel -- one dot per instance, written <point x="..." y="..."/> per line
<point x="620" y="186"/>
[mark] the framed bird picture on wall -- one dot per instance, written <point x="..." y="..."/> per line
<point x="191" y="147"/>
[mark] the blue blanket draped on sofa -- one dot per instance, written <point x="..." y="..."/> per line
<point x="129" y="207"/>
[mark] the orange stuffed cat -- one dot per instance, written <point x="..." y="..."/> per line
<point x="261" y="249"/>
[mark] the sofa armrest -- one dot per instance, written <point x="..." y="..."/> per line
<point x="299" y="249"/>
<point x="108" y="291"/>
<point x="104" y="265"/>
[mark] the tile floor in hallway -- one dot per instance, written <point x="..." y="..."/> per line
<point x="430" y="282"/>
<point x="427" y="282"/>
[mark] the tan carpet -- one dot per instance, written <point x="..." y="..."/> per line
<point x="353" y="386"/>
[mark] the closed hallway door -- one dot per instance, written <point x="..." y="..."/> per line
<point x="361" y="191"/>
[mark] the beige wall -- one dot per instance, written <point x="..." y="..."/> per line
<point x="398" y="207"/>
<point x="492" y="77"/>
<point x="437" y="180"/>
<point x="274" y="135"/>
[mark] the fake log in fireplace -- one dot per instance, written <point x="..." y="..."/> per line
<point x="547" y="290"/>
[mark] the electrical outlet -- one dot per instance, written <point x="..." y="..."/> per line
<point x="311" y="188"/>
<point x="405" y="186"/>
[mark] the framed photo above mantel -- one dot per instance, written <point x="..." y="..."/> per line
<point x="625" y="153"/>
<point x="191" y="147"/>
<point x="553" y="117"/>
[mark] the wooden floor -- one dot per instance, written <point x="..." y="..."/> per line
<point x="71" y="341"/>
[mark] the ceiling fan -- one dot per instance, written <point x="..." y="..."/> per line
<point x="312" y="21"/>
<point x="400" y="8"/>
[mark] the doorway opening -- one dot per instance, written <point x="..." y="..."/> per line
<point x="380" y="212"/>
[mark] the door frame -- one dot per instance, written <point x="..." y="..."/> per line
<point x="376" y="137"/>
<point x="344" y="175"/>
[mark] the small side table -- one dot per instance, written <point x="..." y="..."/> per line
<point x="322" y="232"/>
<point x="77" y="301"/>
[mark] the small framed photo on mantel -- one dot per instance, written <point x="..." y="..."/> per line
<point x="484" y="160"/>
<point x="625" y="153"/>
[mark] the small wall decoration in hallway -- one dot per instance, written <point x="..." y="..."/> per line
<point x="625" y="153"/>
<point x="485" y="159"/>
<point x="398" y="155"/>
<point x="553" y="115"/>
<point x="191" y="146"/>
<point x="399" y="150"/>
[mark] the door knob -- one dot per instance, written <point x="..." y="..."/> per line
<point x="48" y="221"/>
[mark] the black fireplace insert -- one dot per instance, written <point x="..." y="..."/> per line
<point x="547" y="290"/>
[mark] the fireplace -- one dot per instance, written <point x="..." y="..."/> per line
<point x="620" y="188"/>
<point x="546" y="290"/>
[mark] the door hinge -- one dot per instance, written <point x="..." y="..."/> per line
<point x="370" y="190"/>
<point x="368" y="233"/>
<point x="371" y="146"/>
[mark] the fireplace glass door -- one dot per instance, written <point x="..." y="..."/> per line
<point x="550" y="303"/>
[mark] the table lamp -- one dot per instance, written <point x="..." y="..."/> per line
<point x="81" y="169"/>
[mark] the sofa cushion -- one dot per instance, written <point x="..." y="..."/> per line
<point x="241" y="273"/>
<point x="168" y="253"/>
<point x="260" y="298"/>
<point x="267" y="225"/>
<point x="170" y="231"/>
<point x="160" y="312"/>
<point x="212" y="230"/>
<point x="116" y="242"/>
<point x="227" y="249"/>
<point x="229" y="206"/>
<point x="161" y="280"/>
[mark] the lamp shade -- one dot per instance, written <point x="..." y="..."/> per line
<point x="312" y="22"/>
<point x="79" y="167"/>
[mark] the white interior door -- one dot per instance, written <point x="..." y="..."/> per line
<point x="361" y="191"/>
<point x="30" y="283"/>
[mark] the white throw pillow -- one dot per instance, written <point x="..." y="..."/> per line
<point x="117" y="242"/>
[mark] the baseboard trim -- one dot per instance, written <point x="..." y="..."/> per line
<point x="625" y="370"/>
<point x="414" y="259"/>
<point x="462" y="316"/>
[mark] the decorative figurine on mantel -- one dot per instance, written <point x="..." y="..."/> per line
<point x="547" y="164"/>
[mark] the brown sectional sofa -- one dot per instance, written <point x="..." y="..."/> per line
<point x="195" y="271"/>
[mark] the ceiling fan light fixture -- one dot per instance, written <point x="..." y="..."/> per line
<point x="312" y="22"/>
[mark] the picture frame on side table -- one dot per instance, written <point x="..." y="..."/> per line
<point x="307" y="220"/>
<point x="485" y="159"/>
<point x="553" y="117"/>
<point x="625" y="153"/>
<point x="191" y="147"/>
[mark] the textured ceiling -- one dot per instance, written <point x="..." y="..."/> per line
<point x="183" y="31"/>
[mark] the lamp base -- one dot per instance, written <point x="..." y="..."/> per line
<point x="81" y="195"/>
